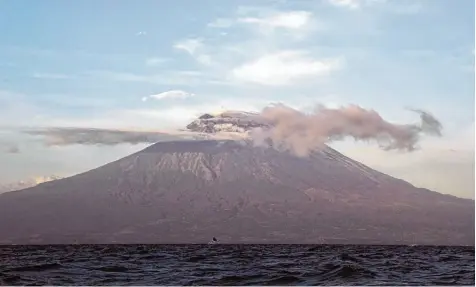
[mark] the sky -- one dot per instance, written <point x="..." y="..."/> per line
<point x="157" y="65"/>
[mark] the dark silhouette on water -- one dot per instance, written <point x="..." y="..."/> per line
<point x="213" y="241"/>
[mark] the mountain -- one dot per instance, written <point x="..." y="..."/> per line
<point x="190" y="191"/>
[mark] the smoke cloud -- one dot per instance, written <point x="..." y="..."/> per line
<point x="300" y="132"/>
<point x="280" y="126"/>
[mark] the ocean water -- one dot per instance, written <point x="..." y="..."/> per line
<point x="236" y="265"/>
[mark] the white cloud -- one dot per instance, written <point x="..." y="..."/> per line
<point x="141" y="33"/>
<point x="189" y="45"/>
<point x="267" y="21"/>
<point x="194" y="47"/>
<point x="221" y="23"/>
<point x="173" y="94"/>
<point x="50" y="76"/>
<point x="284" y="68"/>
<point x="355" y="4"/>
<point x="351" y="4"/>
<point x="408" y="8"/>
<point x="204" y="59"/>
<point x="191" y="78"/>
<point x="288" y="20"/>
<point x="155" y="61"/>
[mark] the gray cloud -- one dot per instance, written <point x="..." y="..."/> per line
<point x="13" y="149"/>
<point x="429" y="124"/>
<point x="63" y="136"/>
<point x="8" y="147"/>
<point x="88" y="136"/>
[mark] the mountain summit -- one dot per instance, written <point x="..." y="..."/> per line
<point x="190" y="191"/>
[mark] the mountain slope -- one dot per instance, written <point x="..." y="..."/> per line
<point x="189" y="191"/>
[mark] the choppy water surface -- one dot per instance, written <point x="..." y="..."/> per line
<point x="235" y="265"/>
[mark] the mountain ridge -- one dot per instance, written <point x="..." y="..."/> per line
<point x="190" y="191"/>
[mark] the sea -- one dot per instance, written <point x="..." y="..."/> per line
<point x="221" y="264"/>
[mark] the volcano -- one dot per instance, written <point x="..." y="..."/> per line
<point x="191" y="191"/>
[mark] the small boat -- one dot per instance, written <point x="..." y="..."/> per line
<point x="213" y="241"/>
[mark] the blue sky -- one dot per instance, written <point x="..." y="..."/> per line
<point x="90" y="63"/>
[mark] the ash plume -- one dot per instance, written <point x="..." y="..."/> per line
<point x="280" y="126"/>
<point x="300" y="132"/>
